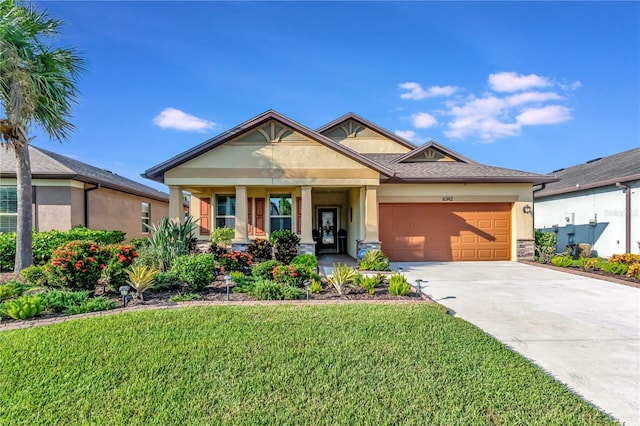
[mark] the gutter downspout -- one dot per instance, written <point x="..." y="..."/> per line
<point x="86" y="203"/>
<point x="627" y="191"/>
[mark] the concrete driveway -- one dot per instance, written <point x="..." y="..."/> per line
<point x="585" y="332"/>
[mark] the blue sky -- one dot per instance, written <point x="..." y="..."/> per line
<point x="532" y="86"/>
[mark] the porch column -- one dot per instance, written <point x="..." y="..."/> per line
<point x="371" y="214"/>
<point x="176" y="211"/>
<point x="241" y="215"/>
<point x="307" y="215"/>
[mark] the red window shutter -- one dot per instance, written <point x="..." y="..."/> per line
<point x="259" y="225"/>
<point x="298" y="215"/>
<point x="250" y="215"/>
<point x="205" y="216"/>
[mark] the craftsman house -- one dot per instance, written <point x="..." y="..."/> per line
<point x="352" y="185"/>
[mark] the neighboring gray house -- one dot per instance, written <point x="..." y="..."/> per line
<point x="67" y="193"/>
<point x="597" y="202"/>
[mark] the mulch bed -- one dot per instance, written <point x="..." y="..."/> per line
<point x="596" y="274"/>
<point x="217" y="292"/>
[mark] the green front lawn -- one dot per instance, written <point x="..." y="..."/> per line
<point x="277" y="364"/>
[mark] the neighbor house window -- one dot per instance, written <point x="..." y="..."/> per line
<point x="8" y="209"/>
<point x="146" y="215"/>
<point x="280" y="211"/>
<point x="226" y="211"/>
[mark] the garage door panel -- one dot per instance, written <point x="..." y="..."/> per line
<point x="446" y="232"/>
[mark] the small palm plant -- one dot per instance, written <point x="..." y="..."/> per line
<point x="141" y="278"/>
<point x="342" y="276"/>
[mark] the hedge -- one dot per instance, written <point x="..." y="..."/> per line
<point x="44" y="243"/>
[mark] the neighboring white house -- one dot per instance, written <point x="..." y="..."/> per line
<point x="597" y="202"/>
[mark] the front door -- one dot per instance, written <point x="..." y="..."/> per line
<point x="327" y="230"/>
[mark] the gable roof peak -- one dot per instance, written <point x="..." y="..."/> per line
<point x="381" y="130"/>
<point x="434" y="145"/>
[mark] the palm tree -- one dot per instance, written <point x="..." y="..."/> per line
<point x="37" y="88"/>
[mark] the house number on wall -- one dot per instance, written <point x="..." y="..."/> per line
<point x="447" y="198"/>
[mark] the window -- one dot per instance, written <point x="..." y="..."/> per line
<point x="280" y="211"/>
<point x="226" y="211"/>
<point x="146" y="215"/>
<point x="8" y="209"/>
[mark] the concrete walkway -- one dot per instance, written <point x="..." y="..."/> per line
<point x="585" y="332"/>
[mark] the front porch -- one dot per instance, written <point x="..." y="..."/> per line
<point x="329" y="220"/>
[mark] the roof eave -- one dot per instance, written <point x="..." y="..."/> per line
<point x="609" y="182"/>
<point x="479" y="179"/>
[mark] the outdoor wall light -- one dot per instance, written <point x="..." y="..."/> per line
<point x="227" y="281"/>
<point x="124" y="292"/>
<point x="526" y="209"/>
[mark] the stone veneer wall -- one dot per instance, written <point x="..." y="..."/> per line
<point x="525" y="249"/>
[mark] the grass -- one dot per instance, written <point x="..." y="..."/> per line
<point x="278" y="364"/>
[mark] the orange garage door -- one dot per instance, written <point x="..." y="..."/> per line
<point x="446" y="232"/>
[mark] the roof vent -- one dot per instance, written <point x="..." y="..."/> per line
<point x="559" y="170"/>
<point x="594" y="160"/>
<point x="108" y="171"/>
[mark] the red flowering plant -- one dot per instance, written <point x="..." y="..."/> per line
<point x="234" y="261"/>
<point x="119" y="258"/>
<point x="77" y="264"/>
<point x="285" y="275"/>
<point x="80" y="264"/>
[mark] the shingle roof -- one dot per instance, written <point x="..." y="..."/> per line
<point x="621" y="167"/>
<point x="450" y="171"/>
<point x="389" y="166"/>
<point x="46" y="164"/>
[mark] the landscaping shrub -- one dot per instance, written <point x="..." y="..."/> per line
<point x="79" y="264"/>
<point x="166" y="281"/>
<point x="23" y="308"/>
<point x="34" y="275"/>
<point x="286" y="275"/>
<point x="264" y="270"/>
<point x="222" y="237"/>
<point x="374" y="260"/>
<point x="307" y="260"/>
<point x="195" y="270"/>
<point x="96" y="304"/>
<point x="140" y="278"/>
<point x="234" y="261"/>
<point x="369" y="283"/>
<point x="139" y="243"/>
<point x="545" y="246"/>
<point x="119" y="257"/>
<point x="341" y="277"/>
<point x="244" y="284"/>
<point x="60" y="301"/>
<point x="315" y="287"/>
<point x="626" y="259"/>
<point x="634" y="270"/>
<point x="398" y="285"/>
<point x="266" y="290"/>
<point x="285" y="245"/>
<point x="237" y="276"/>
<point x="615" y="268"/>
<point x="11" y="289"/>
<point x="170" y="239"/>
<point x="185" y="297"/>
<point x="44" y="243"/>
<point x="260" y="249"/>
<point x="290" y="292"/>
<point x="7" y="251"/>
<point x="562" y="261"/>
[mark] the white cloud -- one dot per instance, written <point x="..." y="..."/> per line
<point x="550" y="114"/>
<point x="529" y="97"/>
<point x="422" y="120"/>
<point x="416" y="92"/>
<point x="409" y="135"/>
<point x="171" y="118"/>
<point x="512" y="82"/>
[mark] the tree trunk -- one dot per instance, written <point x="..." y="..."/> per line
<point x="24" y="253"/>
